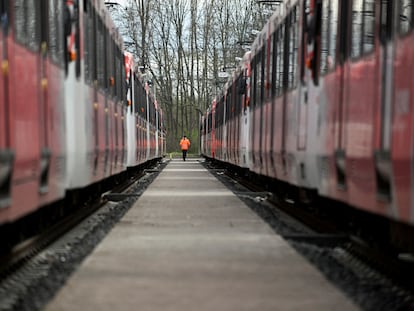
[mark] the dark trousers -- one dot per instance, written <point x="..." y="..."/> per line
<point x="184" y="154"/>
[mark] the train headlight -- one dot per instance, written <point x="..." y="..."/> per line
<point x="5" y="67"/>
<point x="43" y="83"/>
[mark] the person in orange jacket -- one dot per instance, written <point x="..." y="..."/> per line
<point x="184" y="144"/>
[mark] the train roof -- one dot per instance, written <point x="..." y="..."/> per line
<point x="105" y="15"/>
<point x="278" y="15"/>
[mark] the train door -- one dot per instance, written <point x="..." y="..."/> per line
<point x="109" y="103"/>
<point x="384" y="127"/>
<point x="220" y="117"/>
<point x="4" y="79"/>
<point x="260" y="120"/>
<point x="253" y="113"/>
<point x="123" y="146"/>
<point x="230" y="125"/>
<point x="257" y="108"/>
<point x="267" y="105"/>
<point x="45" y="151"/>
<point x="339" y="117"/>
<point x="227" y="125"/>
<point x="284" y="80"/>
<point x="148" y="124"/>
<point x="360" y="101"/>
<point x="23" y="106"/>
<point x="237" y="108"/>
<point x="224" y="128"/>
<point x="6" y="154"/>
<point x="326" y="52"/>
<point x="303" y="102"/>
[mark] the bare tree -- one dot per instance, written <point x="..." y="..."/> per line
<point x="142" y="41"/>
<point x="184" y="44"/>
<point x="164" y="60"/>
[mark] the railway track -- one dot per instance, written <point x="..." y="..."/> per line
<point x="27" y="249"/>
<point x="34" y="269"/>
<point x="312" y="231"/>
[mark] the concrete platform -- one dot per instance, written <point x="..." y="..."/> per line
<point x="189" y="244"/>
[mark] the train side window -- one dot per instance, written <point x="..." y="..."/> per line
<point x="123" y="79"/>
<point x="263" y="74"/>
<point x="230" y="101"/>
<point x="369" y="26"/>
<point x="106" y="57"/>
<point x="33" y="24"/>
<point x="134" y="91"/>
<point x="137" y="99"/>
<point x="100" y="52"/>
<point x="27" y="23"/>
<point x="238" y="94"/>
<point x="273" y="63"/>
<point x="234" y="100"/>
<point x="293" y="47"/>
<point x="289" y="50"/>
<point x="270" y="59"/>
<point x="218" y="114"/>
<point x="20" y="20"/>
<point x="77" y="39"/>
<point x="228" y="105"/>
<point x="87" y="42"/>
<point x="253" y="80"/>
<point x="285" y="56"/>
<point x="296" y="42"/>
<point x="257" y="82"/>
<point x="216" y="121"/>
<point x="152" y="111"/>
<point x="56" y="35"/>
<point x="267" y="67"/>
<point x="141" y="99"/>
<point x="112" y="67"/>
<point x="405" y="22"/>
<point x="329" y="32"/>
<point x="221" y="111"/>
<point x="116" y="68"/>
<point x="94" y="40"/>
<point x="112" y="63"/>
<point x="333" y="33"/>
<point x="4" y="16"/>
<point x="363" y="26"/>
<point x="324" y="36"/>
<point x="357" y="7"/>
<point x="280" y="60"/>
<point x="116" y="73"/>
<point x="113" y="73"/>
<point x="235" y="96"/>
<point x="277" y="62"/>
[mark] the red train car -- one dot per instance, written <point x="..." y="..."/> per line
<point x="32" y="77"/>
<point x="65" y="122"/>
<point x="331" y="109"/>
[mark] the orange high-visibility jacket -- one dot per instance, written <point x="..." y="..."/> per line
<point x="185" y="143"/>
